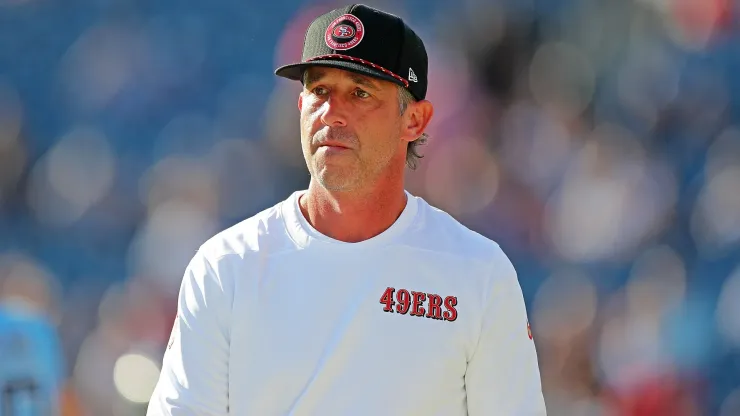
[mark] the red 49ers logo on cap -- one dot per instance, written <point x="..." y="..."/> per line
<point x="345" y="32"/>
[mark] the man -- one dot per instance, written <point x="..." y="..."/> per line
<point x="30" y="373"/>
<point x="31" y="359"/>
<point x="352" y="297"/>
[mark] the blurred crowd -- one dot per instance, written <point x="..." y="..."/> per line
<point x="598" y="141"/>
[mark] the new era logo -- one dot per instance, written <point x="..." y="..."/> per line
<point x="412" y="76"/>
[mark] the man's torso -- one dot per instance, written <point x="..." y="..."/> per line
<point x="29" y="365"/>
<point x="322" y="329"/>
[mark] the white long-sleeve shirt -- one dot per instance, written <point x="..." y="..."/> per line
<point x="274" y="318"/>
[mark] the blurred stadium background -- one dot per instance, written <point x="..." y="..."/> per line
<point x="597" y="140"/>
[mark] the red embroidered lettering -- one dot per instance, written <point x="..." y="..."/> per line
<point x="451" y="313"/>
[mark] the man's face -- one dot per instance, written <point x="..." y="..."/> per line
<point x="350" y="128"/>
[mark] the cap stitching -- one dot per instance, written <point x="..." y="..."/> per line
<point x="362" y="61"/>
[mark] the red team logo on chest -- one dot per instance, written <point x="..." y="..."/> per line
<point x="428" y="305"/>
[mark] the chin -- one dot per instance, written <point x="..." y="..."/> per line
<point x="335" y="184"/>
<point x="334" y="179"/>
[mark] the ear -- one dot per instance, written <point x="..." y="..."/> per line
<point x="300" y="102"/>
<point x="416" y="119"/>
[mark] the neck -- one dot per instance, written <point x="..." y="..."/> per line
<point x="352" y="216"/>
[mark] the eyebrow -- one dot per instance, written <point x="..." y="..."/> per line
<point x="364" y="81"/>
<point x="314" y="76"/>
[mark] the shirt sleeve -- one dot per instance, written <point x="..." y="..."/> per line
<point x="194" y="376"/>
<point x="503" y="376"/>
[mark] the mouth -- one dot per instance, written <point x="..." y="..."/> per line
<point x="334" y="145"/>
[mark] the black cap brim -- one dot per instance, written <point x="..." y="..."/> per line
<point x="295" y="71"/>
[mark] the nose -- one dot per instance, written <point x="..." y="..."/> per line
<point x="333" y="112"/>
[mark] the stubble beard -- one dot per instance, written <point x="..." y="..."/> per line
<point x="332" y="177"/>
<point x="342" y="177"/>
<point x="336" y="178"/>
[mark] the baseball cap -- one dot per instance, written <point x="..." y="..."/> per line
<point x="367" y="41"/>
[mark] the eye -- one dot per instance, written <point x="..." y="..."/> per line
<point x="319" y="91"/>
<point x="362" y="93"/>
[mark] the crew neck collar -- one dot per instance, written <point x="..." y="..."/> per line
<point x="304" y="234"/>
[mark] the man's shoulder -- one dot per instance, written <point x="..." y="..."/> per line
<point x="263" y="230"/>
<point x="29" y="338"/>
<point x="438" y="230"/>
<point x="17" y="315"/>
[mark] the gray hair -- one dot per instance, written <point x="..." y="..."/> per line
<point x="412" y="155"/>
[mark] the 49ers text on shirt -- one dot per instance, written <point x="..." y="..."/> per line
<point x="428" y="305"/>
